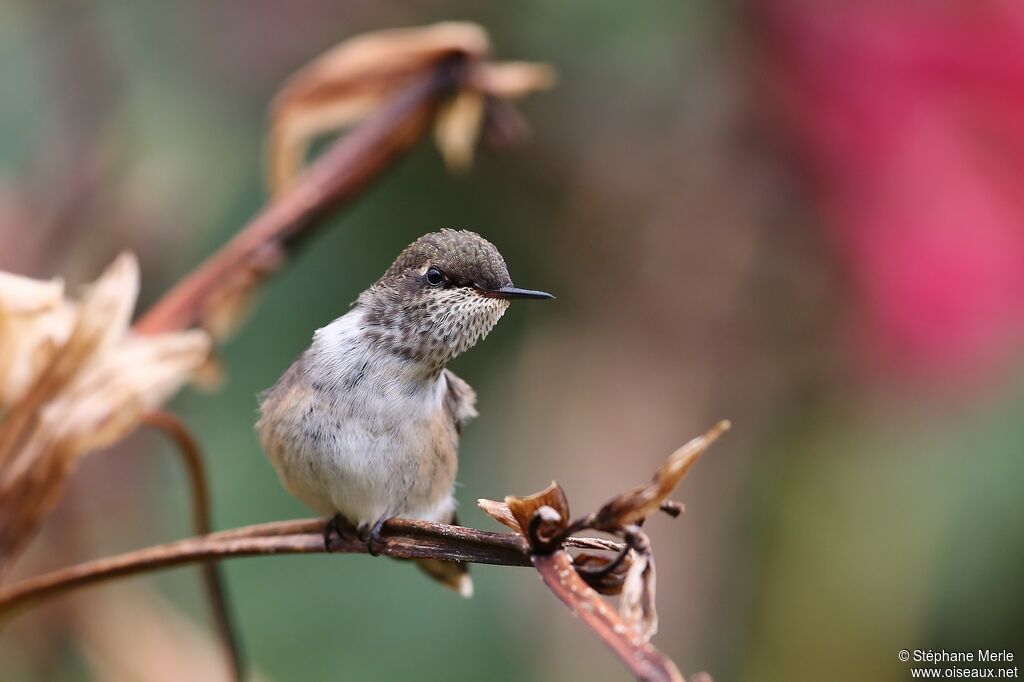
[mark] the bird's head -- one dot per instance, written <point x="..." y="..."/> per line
<point x="442" y="294"/>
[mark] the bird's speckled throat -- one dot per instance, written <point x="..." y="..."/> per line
<point x="431" y="324"/>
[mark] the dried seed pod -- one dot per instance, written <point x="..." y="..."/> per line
<point x="542" y="515"/>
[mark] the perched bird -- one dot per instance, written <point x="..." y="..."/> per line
<point x="365" y="424"/>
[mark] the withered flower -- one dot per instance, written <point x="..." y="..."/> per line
<point x="74" y="379"/>
<point x="353" y="79"/>
<point x="543" y="518"/>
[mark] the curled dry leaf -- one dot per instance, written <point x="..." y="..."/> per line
<point x="353" y="79"/>
<point x="89" y="394"/>
<point x="594" y="569"/>
<point x="637" y="604"/>
<point x="634" y="506"/>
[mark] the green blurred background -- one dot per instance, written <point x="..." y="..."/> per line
<point x="852" y="512"/>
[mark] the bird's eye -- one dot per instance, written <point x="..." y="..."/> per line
<point x="435" y="277"/>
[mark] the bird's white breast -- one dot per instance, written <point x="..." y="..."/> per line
<point x="356" y="429"/>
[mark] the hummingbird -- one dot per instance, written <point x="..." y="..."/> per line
<point x="365" y="424"/>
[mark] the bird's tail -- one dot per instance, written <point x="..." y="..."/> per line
<point x="452" y="574"/>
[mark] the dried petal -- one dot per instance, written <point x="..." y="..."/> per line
<point x="632" y="507"/>
<point x="500" y="512"/>
<point x="637" y="603"/>
<point x="523" y="509"/>
<point x="34" y="321"/>
<point x="24" y="295"/>
<point x="108" y="304"/>
<point x="512" y="80"/>
<point x="458" y="127"/>
<point x="106" y="399"/>
<point x="576" y="542"/>
<point x="395" y="50"/>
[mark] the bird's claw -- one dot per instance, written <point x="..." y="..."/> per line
<point x="331" y="528"/>
<point x="339" y="527"/>
<point x="374" y="538"/>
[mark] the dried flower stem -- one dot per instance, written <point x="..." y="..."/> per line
<point x="335" y="178"/>
<point x="213" y="580"/>
<point x="643" y="660"/>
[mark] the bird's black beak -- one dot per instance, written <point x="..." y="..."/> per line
<point x="513" y="292"/>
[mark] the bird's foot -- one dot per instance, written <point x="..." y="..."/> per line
<point x="374" y="538"/>
<point x="339" y="527"/>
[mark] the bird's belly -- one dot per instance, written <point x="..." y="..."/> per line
<point x="364" y="474"/>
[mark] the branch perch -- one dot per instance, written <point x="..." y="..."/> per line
<point x="543" y="544"/>
<point x="401" y="539"/>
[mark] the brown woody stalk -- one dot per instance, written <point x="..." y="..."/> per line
<point x="213" y="580"/>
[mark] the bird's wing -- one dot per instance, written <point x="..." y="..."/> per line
<point x="459" y="401"/>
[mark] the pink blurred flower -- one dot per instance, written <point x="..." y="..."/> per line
<point x="910" y="118"/>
